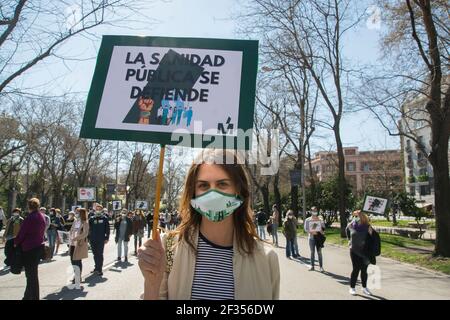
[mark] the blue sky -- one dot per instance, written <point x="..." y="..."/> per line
<point x="207" y="18"/>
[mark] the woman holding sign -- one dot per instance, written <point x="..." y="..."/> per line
<point x="357" y="232"/>
<point x="315" y="227"/>
<point x="215" y="253"/>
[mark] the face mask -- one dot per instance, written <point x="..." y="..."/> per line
<point x="314" y="213"/>
<point x="98" y="213"/>
<point x="216" y="205"/>
<point x="16" y="214"/>
<point x="357" y="219"/>
<point x="124" y="215"/>
<point x="77" y="216"/>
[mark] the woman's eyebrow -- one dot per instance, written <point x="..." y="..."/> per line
<point x="221" y="180"/>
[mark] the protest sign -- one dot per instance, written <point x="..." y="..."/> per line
<point x="147" y="88"/>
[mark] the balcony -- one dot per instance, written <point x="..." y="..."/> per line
<point x="410" y="164"/>
<point x="422" y="162"/>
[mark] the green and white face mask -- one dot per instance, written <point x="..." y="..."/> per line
<point x="216" y="205"/>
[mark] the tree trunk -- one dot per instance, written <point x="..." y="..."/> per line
<point x="442" y="197"/>
<point x="341" y="180"/>
<point x="276" y="191"/>
<point x="294" y="198"/>
<point x="265" y="194"/>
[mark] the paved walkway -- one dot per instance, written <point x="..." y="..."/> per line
<point x="123" y="281"/>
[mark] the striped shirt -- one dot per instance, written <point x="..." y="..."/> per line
<point x="213" y="276"/>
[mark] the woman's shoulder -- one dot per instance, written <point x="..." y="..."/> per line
<point x="264" y="248"/>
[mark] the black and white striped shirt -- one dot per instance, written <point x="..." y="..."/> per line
<point x="213" y="277"/>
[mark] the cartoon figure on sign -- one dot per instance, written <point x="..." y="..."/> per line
<point x="189" y="116"/>
<point x="375" y="205"/>
<point x="145" y="106"/>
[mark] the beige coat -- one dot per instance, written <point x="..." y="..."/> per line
<point x="81" y="243"/>
<point x="256" y="277"/>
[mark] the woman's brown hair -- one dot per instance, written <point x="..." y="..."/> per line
<point x="83" y="215"/>
<point x="244" y="227"/>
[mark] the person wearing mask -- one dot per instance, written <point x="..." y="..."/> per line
<point x="261" y="220"/>
<point x="296" y="253"/>
<point x="59" y="221"/>
<point x="124" y="229"/>
<point x="47" y="221"/>
<point x="78" y="244"/>
<point x="138" y="229"/>
<point x="69" y="221"/>
<point x="149" y="219"/>
<point x="215" y="251"/>
<point x="290" y="232"/>
<point x="51" y="232"/>
<point x="31" y="240"/>
<point x="275" y="220"/>
<point x="12" y="229"/>
<point x="313" y="226"/>
<point x="357" y="232"/>
<point x="98" y="237"/>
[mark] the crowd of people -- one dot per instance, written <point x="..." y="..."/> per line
<point x="209" y="249"/>
<point x="364" y="243"/>
<point x="40" y="232"/>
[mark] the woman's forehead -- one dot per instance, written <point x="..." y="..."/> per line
<point x="211" y="172"/>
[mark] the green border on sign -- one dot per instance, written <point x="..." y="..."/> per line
<point x="249" y="50"/>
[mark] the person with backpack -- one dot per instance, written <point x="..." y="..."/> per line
<point x="214" y="253"/>
<point x="261" y="220"/>
<point x="314" y="226"/>
<point x="358" y="232"/>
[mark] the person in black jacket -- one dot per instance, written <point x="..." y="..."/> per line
<point x="124" y="229"/>
<point x="98" y="237"/>
<point x="358" y="231"/>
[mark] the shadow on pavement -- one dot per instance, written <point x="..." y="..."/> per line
<point x="123" y="265"/>
<point x="93" y="280"/>
<point x="341" y="279"/>
<point x="66" y="294"/>
<point x="372" y="297"/>
<point x="4" y="271"/>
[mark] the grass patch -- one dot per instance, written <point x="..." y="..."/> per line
<point x="400" y="223"/>
<point x="413" y="251"/>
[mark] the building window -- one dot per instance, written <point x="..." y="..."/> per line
<point x="365" y="166"/>
<point x="412" y="191"/>
<point x="425" y="190"/>
<point x="350" y="152"/>
<point x="351" y="166"/>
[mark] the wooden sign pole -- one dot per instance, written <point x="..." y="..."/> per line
<point x="158" y="191"/>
